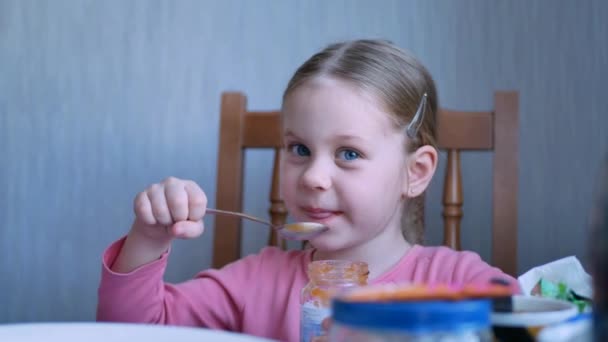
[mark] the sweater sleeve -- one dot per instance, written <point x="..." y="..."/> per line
<point x="469" y="268"/>
<point x="212" y="299"/>
<point x="442" y="265"/>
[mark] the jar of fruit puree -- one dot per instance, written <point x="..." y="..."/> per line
<point x="326" y="279"/>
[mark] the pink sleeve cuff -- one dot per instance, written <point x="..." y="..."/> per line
<point x="110" y="254"/>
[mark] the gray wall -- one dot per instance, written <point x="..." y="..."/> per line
<point x="100" y="98"/>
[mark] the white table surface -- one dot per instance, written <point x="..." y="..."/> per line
<point x="114" y="332"/>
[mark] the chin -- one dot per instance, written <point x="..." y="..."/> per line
<point x="322" y="244"/>
<point x="328" y="244"/>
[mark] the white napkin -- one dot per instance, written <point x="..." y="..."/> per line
<point x="567" y="270"/>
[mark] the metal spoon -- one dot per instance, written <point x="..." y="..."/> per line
<point x="290" y="231"/>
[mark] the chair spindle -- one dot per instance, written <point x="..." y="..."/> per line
<point x="452" y="200"/>
<point x="277" y="211"/>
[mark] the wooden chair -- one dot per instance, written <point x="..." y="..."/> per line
<point x="497" y="131"/>
<point x="457" y="131"/>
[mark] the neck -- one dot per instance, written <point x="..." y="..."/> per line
<point x="380" y="253"/>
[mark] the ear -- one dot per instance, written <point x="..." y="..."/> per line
<point x="421" y="167"/>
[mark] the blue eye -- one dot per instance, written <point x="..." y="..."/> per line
<point x="299" y="150"/>
<point x="349" y="155"/>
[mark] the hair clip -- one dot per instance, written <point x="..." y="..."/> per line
<point x="414" y="126"/>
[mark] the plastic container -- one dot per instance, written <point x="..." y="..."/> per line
<point x="577" y="329"/>
<point x="529" y="315"/>
<point x="326" y="279"/>
<point x="429" y="321"/>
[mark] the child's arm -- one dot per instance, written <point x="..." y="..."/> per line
<point x="213" y="299"/>
<point x="132" y="287"/>
<point x="470" y="268"/>
<point x="171" y="209"/>
<point x="442" y="265"/>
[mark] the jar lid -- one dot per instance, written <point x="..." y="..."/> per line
<point x="414" y="316"/>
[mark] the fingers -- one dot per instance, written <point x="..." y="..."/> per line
<point x="172" y="201"/>
<point x="177" y="199"/>
<point x="143" y="209"/>
<point x="187" y="229"/>
<point x="197" y="201"/>
<point x="160" y="208"/>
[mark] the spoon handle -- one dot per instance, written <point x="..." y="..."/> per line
<point x="234" y="213"/>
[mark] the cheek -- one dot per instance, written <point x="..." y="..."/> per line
<point x="377" y="187"/>
<point x="287" y="181"/>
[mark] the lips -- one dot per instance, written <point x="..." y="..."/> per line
<point x="319" y="214"/>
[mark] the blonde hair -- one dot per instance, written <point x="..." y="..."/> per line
<point x="398" y="80"/>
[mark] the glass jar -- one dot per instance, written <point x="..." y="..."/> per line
<point x="428" y="321"/>
<point x="326" y="278"/>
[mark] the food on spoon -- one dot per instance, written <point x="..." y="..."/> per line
<point x="303" y="227"/>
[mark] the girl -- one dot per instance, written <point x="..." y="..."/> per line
<point x="355" y="159"/>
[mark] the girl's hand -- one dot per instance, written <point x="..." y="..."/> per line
<point x="173" y="208"/>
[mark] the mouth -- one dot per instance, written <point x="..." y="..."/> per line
<point x="319" y="214"/>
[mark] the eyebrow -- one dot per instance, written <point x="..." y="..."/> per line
<point x="340" y="137"/>
<point x="349" y="137"/>
<point x="290" y="134"/>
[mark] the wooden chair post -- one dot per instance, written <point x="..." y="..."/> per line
<point x="277" y="210"/>
<point x="506" y="147"/>
<point x="241" y="129"/>
<point x="227" y="245"/>
<point x="452" y="200"/>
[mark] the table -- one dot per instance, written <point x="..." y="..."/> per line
<point x="114" y="332"/>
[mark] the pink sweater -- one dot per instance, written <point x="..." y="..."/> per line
<point x="259" y="294"/>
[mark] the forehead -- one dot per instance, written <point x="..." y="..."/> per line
<point x="331" y="103"/>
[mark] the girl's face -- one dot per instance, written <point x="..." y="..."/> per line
<point x="344" y="164"/>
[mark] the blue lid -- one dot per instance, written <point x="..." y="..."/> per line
<point x="414" y="316"/>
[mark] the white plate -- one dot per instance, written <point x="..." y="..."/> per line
<point x="529" y="311"/>
<point x="114" y="332"/>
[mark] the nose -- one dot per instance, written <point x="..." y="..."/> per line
<point x="316" y="176"/>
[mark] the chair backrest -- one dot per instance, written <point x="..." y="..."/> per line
<point x="495" y="130"/>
